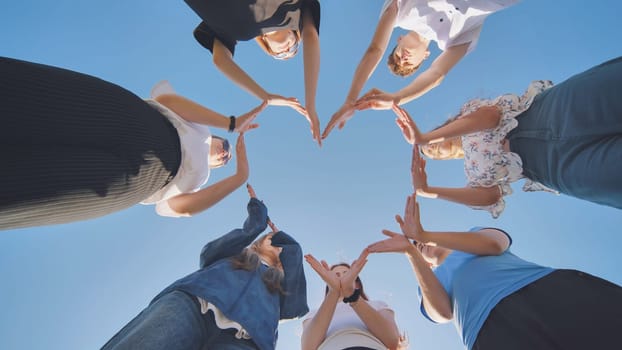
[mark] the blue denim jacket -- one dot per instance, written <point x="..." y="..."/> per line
<point x="241" y="295"/>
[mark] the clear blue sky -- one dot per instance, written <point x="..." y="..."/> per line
<point x="73" y="286"/>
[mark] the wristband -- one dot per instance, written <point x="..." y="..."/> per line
<point x="354" y="297"/>
<point x="231" y="123"/>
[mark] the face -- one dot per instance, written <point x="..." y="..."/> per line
<point x="340" y="270"/>
<point x="280" y="42"/>
<point x="268" y="252"/>
<point x="218" y="155"/>
<point x="448" y="149"/>
<point x="410" y="50"/>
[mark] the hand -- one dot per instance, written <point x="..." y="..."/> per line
<point x="407" y="125"/>
<point x="417" y="171"/>
<point x="396" y="243"/>
<point x="251" y="191"/>
<point x="242" y="161"/>
<point x="314" y="121"/>
<point x="348" y="281"/>
<point x="323" y="270"/>
<point x="411" y="224"/>
<point x="245" y="121"/>
<point x="292" y="102"/>
<point x="339" y="118"/>
<point x="272" y="226"/>
<point x="376" y="99"/>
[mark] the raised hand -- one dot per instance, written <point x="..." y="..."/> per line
<point x="272" y="226"/>
<point x="323" y="270"/>
<point x="407" y="125"/>
<point x="417" y="171"/>
<point x="251" y="191"/>
<point x="340" y="118"/>
<point x="245" y="121"/>
<point x="411" y="223"/>
<point x="348" y="280"/>
<point x="396" y="243"/>
<point x="314" y="122"/>
<point x="376" y="99"/>
<point x="292" y="102"/>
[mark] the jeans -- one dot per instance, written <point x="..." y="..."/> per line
<point x="175" y="322"/>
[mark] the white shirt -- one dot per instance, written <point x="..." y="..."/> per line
<point x="346" y="329"/>
<point x="448" y="22"/>
<point x="193" y="172"/>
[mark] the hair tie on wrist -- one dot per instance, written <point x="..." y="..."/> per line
<point x="231" y="123"/>
<point x="354" y="297"/>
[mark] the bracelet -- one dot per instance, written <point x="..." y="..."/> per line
<point x="231" y="123"/>
<point x="354" y="297"/>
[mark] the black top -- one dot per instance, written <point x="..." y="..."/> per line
<point x="240" y="20"/>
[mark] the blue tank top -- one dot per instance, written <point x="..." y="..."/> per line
<point x="476" y="284"/>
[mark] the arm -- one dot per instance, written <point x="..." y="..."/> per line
<point x="223" y="60"/>
<point x="483" y="118"/>
<point x="381" y="323"/>
<point x="314" y="330"/>
<point x="474" y="196"/>
<point x="196" y="113"/>
<point x="433" y="76"/>
<point x="311" y="47"/>
<point x="294" y="302"/>
<point x="236" y="240"/>
<point x="366" y="67"/>
<point x="435" y="299"/>
<point x="187" y="204"/>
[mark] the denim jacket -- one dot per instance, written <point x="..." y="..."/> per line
<point x="241" y="295"/>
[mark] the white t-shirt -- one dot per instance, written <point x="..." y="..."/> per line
<point x="448" y="22"/>
<point x="346" y="329"/>
<point x="193" y="172"/>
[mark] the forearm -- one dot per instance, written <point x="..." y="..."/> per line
<point x="314" y="331"/>
<point x="423" y="83"/>
<point x="483" y="118"/>
<point x="223" y="60"/>
<point x="380" y="323"/>
<point x="473" y="196"/>
<point x="435" y="299"/>
<point x="311" y="56"/>
<point x="363" y="71"/>
<point x="192" y="111"/>
<point x="193" y="203"/>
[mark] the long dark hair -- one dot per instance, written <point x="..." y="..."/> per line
<point x="357" y="280"/>
<point x="249" y="260"/>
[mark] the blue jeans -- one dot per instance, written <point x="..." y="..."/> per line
<point x="570" y="138"/>
<point x="175" y="322"/>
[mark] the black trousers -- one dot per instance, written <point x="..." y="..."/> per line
<point x="566" y="309"/>
<point x="74" y="147"/>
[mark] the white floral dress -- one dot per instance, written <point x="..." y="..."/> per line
<point x="486" y="164"/>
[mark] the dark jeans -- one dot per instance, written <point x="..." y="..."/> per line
<point x="570" y="138"/>
<point x="175" y="322"/>
<point x="564" y="310"/>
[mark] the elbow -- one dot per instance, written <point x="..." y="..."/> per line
<point x="492" y="195"/>
<point x="492" y="116"/>
<point x="437" y="77"/>
<point x="394" y="342"/>
<point x="496" y="247"/>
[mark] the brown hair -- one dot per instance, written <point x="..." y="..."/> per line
<point x="399" y="70"/>
<point x="249" y="260"/>
<point x="266" y="48"/>
<point x="358" y="280"/>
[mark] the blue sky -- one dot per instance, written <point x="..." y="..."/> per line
<point x="73" y="286"/>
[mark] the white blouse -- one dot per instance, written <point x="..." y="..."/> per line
<point x="448" y="22"/>
<point x="193" y="172"/>
<point x="486" y="164"/>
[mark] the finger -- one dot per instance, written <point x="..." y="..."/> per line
<point x="399" y="220"/>
<point x="325" y="265"/>
<point x="389" y="233"/>
<point x="251" y="190"/>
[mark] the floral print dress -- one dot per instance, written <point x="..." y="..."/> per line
<point x="486" y="163"/>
